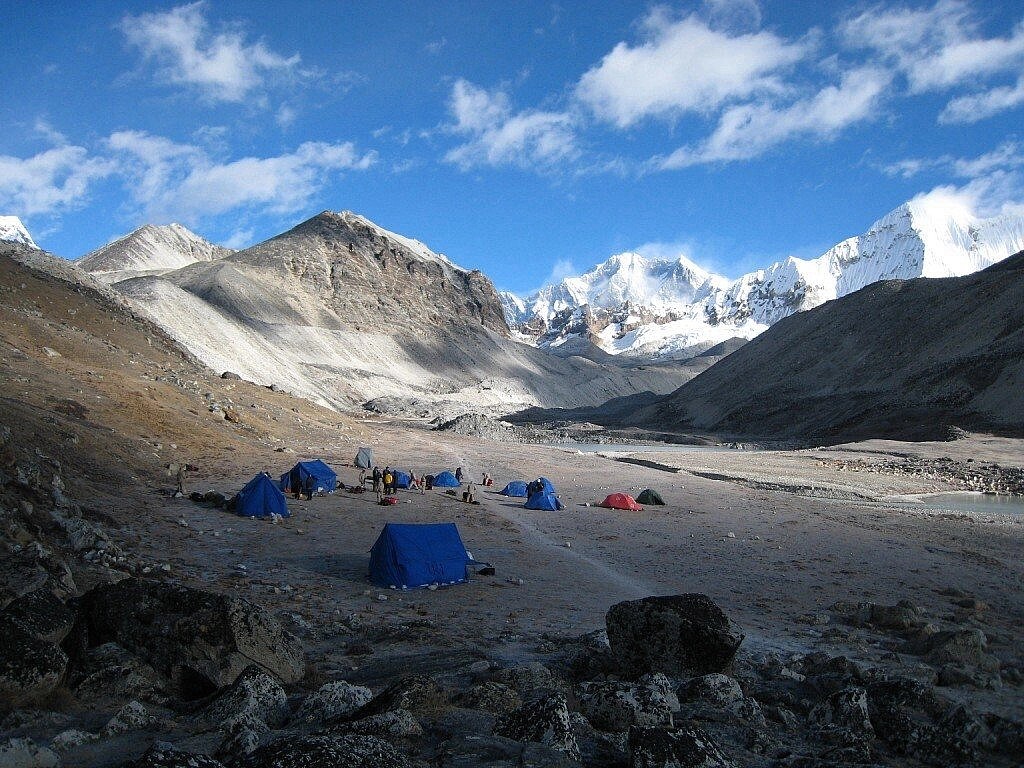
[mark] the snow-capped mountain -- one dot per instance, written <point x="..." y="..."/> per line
<point x="150" y="250"/>
<point x="13" y="231"/>
<point x="674" y="308"/>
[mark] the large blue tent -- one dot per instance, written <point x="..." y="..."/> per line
<point x="543" y="500"/>
<point x="401" y="479"/>
<point x="515" y="488"/>
<point x="408" y="555"/>
<point x="261" y="498"/>
<point x="548" y="485"/>
<point x="325" y="480"/>
<point x="446" y="480"/>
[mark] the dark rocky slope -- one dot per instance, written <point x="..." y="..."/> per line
<point x="902" y="359"/>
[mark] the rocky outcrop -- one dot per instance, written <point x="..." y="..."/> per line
<point x="681" y="635"/>
<point x="319" y="751"/>
<point x="544" y="721"/>
<point x="333" y="701"/>
<point x="687" y="747"/>
<point x="615" y="706"/>
<point x="202" y="641"/>
<point x="30" y="668"/>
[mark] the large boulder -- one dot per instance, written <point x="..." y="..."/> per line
<point x="615" y="706"/>
<point x="255" y="695"/>
<point x="167" y="756"/>
<point x="320" y="751"/>
<point x="42" y="614"/>
<point x="30" y="668"/>
<point x="680" y="635"/>
<point x="686" y="747"/>
<point x="25" y="753"/>
<point x="201" y="640"/>
<point x="333" y="701"/>
<point x="544" y="721"/>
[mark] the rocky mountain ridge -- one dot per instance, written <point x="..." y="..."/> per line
<point x="150" y="250"/>
<point x="906" y="359"/>
<point x="342" y="311"/>
<point x="13" y="231"/>
<point x="672" y="308"/>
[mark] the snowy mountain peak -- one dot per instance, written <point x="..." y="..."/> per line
<point x="418" y="249"/>
<point x="12" y="230"/>
<point x="150" y="250"/>
<point x="674" y="307"/>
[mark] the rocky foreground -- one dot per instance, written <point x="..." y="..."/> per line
<point x="106" y="659"/>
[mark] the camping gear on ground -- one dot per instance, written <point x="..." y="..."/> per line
<point x="324" y="478"/>
<point x="650" y="496"/>
<point x="388" y="500"/>
<point x="260" y="498"/>
<point x="446" y="480"/>
<point x="621" y="501"/>
<point x="541" y="500"/>
<point x="409" y="555"/>
<point x="516" y="488"/>
<point x="400" y="479"/>
<point x="364" y="458"/>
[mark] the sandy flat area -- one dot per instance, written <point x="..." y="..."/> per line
<point x="769" y="557"/>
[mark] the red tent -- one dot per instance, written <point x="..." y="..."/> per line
<point x="621" y="501"/>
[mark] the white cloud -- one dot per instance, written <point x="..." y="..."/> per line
<point x="936" y="47"/>
<point x="682" y="66"/>
<point x="285" y="116"/>
<point x="54" y="180"/>
<point x="734" y="14"/>
<point x="223" y="66"/>
<point x="978" y="106"/>
<point x="497" y="136"/>
<point x="748" y="130"/>
<point x="171" y="181"/>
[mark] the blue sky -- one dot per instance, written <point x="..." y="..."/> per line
<point x="525" y="139"/>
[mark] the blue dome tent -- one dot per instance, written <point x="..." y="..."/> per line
<point x="543" y="500"/>
<point x="325" y="480"/>
<point x="446" y="480"/>
<point x="408" y="555"/>
<point x="402" y="479"/>
<point x="515" y="488"/>
<point x="261" y="498"/>
<point x="549" y="487"/>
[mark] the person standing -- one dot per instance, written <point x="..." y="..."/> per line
<point x="180" y="477"/>
<point x="458" y="474"/>
<point x="376" y="479"/>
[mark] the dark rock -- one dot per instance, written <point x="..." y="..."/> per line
<point x="350" y="751"/>
<point x="615" y="706"/>
<point x="42" y="614"/>
<point x="474" y="750"/>
<point x="333" y="701"/>
<point x="491" y="697"/>
<point x="681" y="635"/>
<point x="30" y="668"/>
<point x="25" y="753"/>
<point x="109" y="671"/>
<point x="166" y="756"/>
<point x="530" y="678"/>
<point x="393" y="724"/>
<point x="255" y="696"/>
<point x="201" y="640"/>
<point x="231" y="376"/>
<point x="686" y="747"/>
<point x="215" y="498"/>
<point x="415" y="693"/>
<point x="846" y="709"/>
<point x="544" y="721"/>
<point x="908" y="716"/>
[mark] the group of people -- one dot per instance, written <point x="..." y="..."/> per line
<point x="385" y="482"/>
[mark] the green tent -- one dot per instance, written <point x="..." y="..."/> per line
<point x="650" y="496"/>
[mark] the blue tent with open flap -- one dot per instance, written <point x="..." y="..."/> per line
<point x="325" y="480"/>
<point x="516" y="488"/>
<point x="446" y="479"/>
<point x="401" y="479"/>
<point x="410" y="555"/>
<point x="261" y="498"/>
<point x="543" y="500"/>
